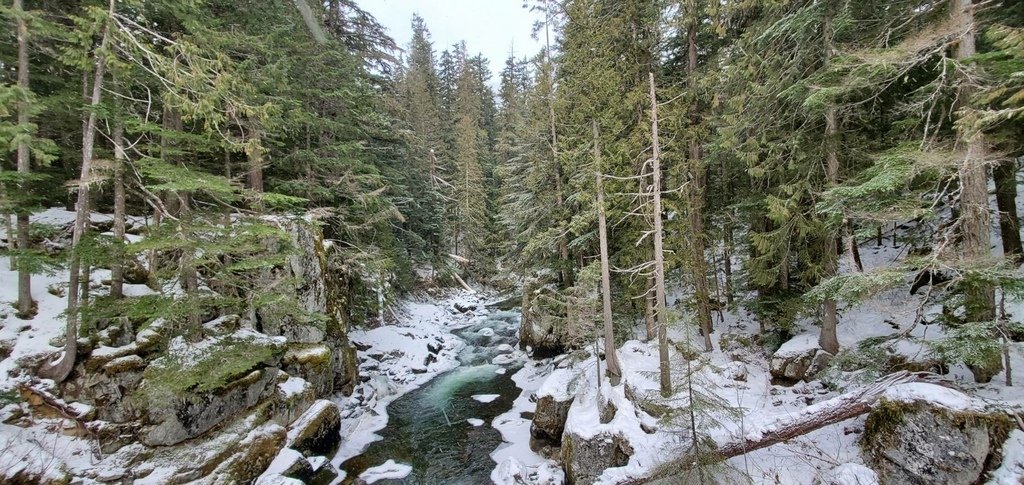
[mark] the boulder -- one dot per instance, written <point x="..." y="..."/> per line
<point x="312" y="363"/>
<point x="922" y="443"/>
<point x="318" y="431"/>
<point x="252" y="455"/>
<point x="549" y="419"/>
<point x="195" y="387"/>
<point x="586" y="458"/>
<point x="799" y="359"/>
<point x="193" y="415"/>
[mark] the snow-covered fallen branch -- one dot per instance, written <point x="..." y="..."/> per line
<point x="787" y="427"/>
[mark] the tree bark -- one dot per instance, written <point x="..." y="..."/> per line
<point x="117" y="268"/>
<point x="698" y="266"/>
<point x="1005" y="175"/>
<point x="979" y="299"/>
<point x="649" y="322"/>
<point x="828" y="339"/>
<point x="611" y="357"/>
<point x="24" y="168"/>
<point x="58" y="371"/>
<point x="664" y="370"/>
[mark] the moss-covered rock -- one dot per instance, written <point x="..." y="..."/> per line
<point x="921" y="443"/>
<point x="193" y="388"/>
<point x="312" y="363"/>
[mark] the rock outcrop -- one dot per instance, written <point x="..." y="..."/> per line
<point x="324" y="295"/>
<point x="585" y="459"/>
<point x="194" y="387"/>
<point x="318" y="431"/>
<point x="549" y="419"/>
<point x="923" y="443"/>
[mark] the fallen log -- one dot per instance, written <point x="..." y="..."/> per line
<point x="785" y="428"/>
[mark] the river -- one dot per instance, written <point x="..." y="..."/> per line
<point x="440" y="429"/>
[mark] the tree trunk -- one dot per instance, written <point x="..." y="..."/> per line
<point x="852" y="248"/>
<point x="727" y="263"/>
<point x="24" y="168"/>
<point x="611" y="357"/>
<point x="664" y="370"/>
<point x="649" y="322"/>
<point x="565" y="273"/>
<point x="117" y="268"/>
<point x="255" y="169"/>
<point x="979" y="299"/>
<point x="698" y="266"/>
<point x="828" y="339"/>
<point x="1005" y="175"/>
<point x="58" y="371"/>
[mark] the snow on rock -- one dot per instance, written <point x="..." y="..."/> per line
<point x="932" y="394"/>
<point x="516" y="434"/>
<point x="849" y="474"/>
<point x="1011" y="472"/>
<point x="294" y="386"/>
<point x="475" y="422"/>
<point x="389" y="470"/>
<point x="486" y="398"/>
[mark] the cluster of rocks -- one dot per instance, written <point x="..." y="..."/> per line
<point x="220" y="408"/>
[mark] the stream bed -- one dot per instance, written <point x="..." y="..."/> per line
<point x="442" y="429"/>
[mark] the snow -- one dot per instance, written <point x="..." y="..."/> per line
<point x="931" y="393"/>
<point x="1011" y="472"/>
<point x="486" y="398"/>
<point x="850" y="474"/>
<point x="798" y="345"/>
<point x="391" y="355"/>
<point x="514" y="456"/>
<point x="293" y="386"/>
<point x="389" y="470"/>
<point x="475" y="422"/>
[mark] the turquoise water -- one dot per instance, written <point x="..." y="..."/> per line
<point x="427" y="428"/>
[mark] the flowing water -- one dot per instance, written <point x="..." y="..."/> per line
<point x="428" y="428"/>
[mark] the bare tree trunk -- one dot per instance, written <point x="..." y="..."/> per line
<point x="727" y="263"/>
<point x="698" y="263"/>
<point x="1005" y="175"/>
<point x="61" y="369"/>
<point x="852" y="248"/>
<point x="611" y="357"/>
<point x="649" y="322"/>
<point x="24" y="168"/>
<point x="979" y="299"/>
<point x="664" y="371"/>
<point x="828" y="339"/>
<point x="117" y="268"/>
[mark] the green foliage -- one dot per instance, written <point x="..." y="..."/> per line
<point x="855" y="287"/>
<point x="973" y="343"/>
<point x="181" y="373"/>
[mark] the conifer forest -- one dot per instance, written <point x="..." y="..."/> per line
<point x="648" y="241"/>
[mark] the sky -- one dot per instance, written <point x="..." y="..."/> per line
<point x="489" y="27"/>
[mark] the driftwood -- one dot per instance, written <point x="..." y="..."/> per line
<point x="784" y="428"/>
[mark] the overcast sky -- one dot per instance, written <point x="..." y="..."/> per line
<point x="490" y="27"/>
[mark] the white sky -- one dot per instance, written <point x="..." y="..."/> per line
<point x="489" y="27"/>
